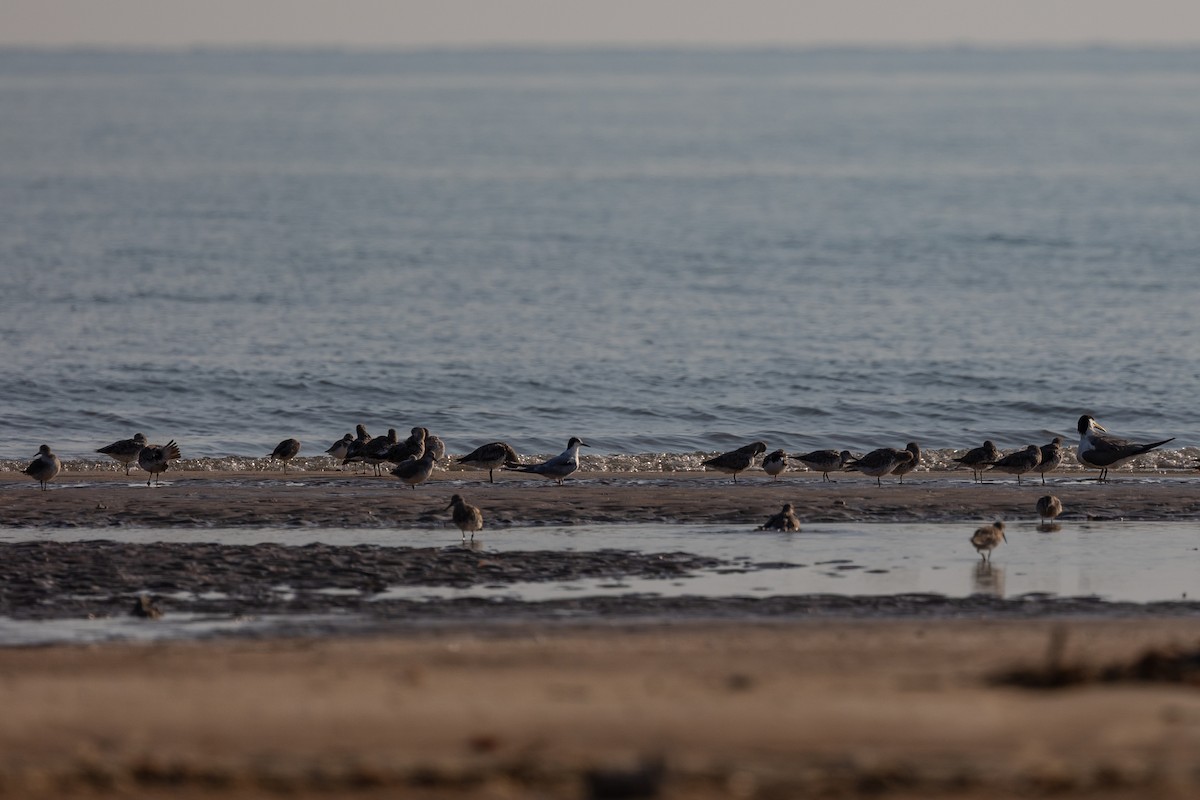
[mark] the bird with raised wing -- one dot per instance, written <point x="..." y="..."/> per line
<point x="155" y="459"/>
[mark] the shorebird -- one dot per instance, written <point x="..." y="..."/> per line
<point x="355" y="451"/>
<point x="285" y="451"/>
<point x="466" y="516"/>
<point x="1051" y="457"/>
<point x="412" y="447"/>
<point x="785" y="520"/>
<point x="375" y="452"/>
<point x="415" y="470"/>
<point x="341" y="447"/>
<point x="979" y="457"/>
<point x="882" y="461"/>
<point x="558" y="467"/>
<point x="1020" y="462"/>
<point x="489" y="456"/>
<point x="1102" y="451"/>
<point x="988" y="538"/>
<point x="774" y="463"/>
<point x="824" y="461"/>
<point x="125" y="451"/>
<point x="155" y="459"/>
<point x="435" y="445"/>
<point x="44" y="467"/>
<point x="905" y="467"/>
<point x="736" y="461"/>
<point x="1048" y="507"/>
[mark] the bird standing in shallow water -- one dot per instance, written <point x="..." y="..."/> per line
<point x="988" y="538"/>
<point x="979" y="457"/>
<point x="1019" y="463"/>
<point x="1103" y="451"/>
<point x="736" y="461"/>
<point x="285" y="451"/>
<point x="466" y="516"/>
<point x="775" y="463"/>
<point x="489" y="456"/>
<point x="125" y="451"/>
<point x="155" y="459"/>
<point x="1049" y="507"/>
<point x="785" y="520"/>
<point x="44" y="467"/>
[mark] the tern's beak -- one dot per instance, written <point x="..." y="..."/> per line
<point x="1099" y="427"/>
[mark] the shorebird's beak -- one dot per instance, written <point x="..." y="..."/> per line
<point x="1099" y="427"/>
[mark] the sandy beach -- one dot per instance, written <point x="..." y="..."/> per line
<point x="339" y="500"/>
<point x="837" y="708"/>
<point x="817" y="695"/>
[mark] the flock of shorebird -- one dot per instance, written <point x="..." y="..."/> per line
<point x="414" y="459"/>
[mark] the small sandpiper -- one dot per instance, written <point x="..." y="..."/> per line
<point x="979" y="457"/>
<point x="825" y="461"/>
<point x="125" y="451"/>
<point x="44" y="467"/>
<point x="736" y="461"/>
<point x="466" y="516"/>
<point x="1048" y="508"/>
<point x="906" y="466"/>
<point x="489" y="456"/>
<point x="988" y="538"/>
<point x="559" y="467"/>
<point x="785" y="520"/>
<point x="339" y="448"/>
<point x="285" y="451"/>
<point x="155" y="459"/>
<point x="774" y="463"/>
<point x="1020" y="462"/>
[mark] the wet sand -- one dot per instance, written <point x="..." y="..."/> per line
<point x="589" y="697"/>
<point x="821" y="708"/>
<point x="338" y="500"/>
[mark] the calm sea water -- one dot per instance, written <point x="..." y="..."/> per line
<point x="659" y="252"/>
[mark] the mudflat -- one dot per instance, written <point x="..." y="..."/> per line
<point x="100" y="499"/>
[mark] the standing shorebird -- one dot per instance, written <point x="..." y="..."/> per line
<point x="356" y="449"/>
<point x="412" y="447"/>
<point x="979" y="457"/>
<point x="466" y="516"/>
<point x="825" y="461"/>
<point x="559" y="467"/>
<point x="988" y="538"/>
<point x="489" y="456"/>
<point x="44" y="467"/>
<point x="125" y="451"/>
<point x="1102" y="451"/>
<point x="883" y="461"/>
<point x="774" y="463"/>
<point x="785" y="520"/>
<point x="341" y="447"/>
<point x="415" y="470"/>
<point x="736" y="461"/>
<point x="155" y="459"/>
<point x="1051" y="457"/>
<point x="1019" y="463"/>
<point x="1048" y="507"/>
<point x="285" y="451"/>
<point x="905" y="467"/>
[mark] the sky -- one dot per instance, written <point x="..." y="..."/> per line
<point x="568" y="23"/>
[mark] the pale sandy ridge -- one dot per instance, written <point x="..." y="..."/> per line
<point x="799" y="708"/>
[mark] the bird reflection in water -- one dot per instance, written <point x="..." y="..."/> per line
<point x="1049" y="527"/>
<point x="987" y="579"/>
